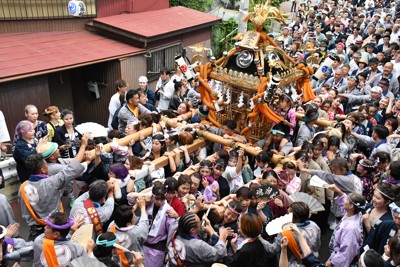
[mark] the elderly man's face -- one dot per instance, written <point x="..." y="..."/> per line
<point x="338" y="74"/>
<point x="375" y="95"/>
<point x="388" y="68"/>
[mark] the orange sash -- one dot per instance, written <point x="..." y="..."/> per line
<point x="120" y="253"/>
<point x="94" y="216"/>
<point x="50" y="253"/>
<point x="29" y="206"/>
<point x="135" y="111"/>
<point x="292" y="244"/>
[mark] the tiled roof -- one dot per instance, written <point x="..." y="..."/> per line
<point x="153" y="25"/>
<point x="29" y="53"/>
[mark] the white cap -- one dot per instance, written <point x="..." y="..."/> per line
<point x="143" y="79"/>
<point x="376" y="89"/>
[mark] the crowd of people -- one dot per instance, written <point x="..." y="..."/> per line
<point x="212" y="205"/>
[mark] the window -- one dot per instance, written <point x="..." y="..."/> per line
<point x="160" y="58"/>
<point x="41" y="9"/>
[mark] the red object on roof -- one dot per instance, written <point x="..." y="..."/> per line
<point x="23" y="54"/>
<point x="158" y="24"/>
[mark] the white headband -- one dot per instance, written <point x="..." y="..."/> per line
<point x="394" y="208"/>
<point x="383" y="194"/>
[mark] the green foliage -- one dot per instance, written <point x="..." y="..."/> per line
<point x="222" y="36"/>
<point x="200" y="5"/>
<point x="276" y="3"/>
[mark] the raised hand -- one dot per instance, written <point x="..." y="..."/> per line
<point x="85" y="138"/>
<point x="78" y="221"/>
<point x="11" y="229"/>
<point x="140" y="202"/>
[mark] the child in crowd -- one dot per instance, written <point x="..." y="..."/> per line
<point x="233" y="172"/>
<point x="294" y="182"/>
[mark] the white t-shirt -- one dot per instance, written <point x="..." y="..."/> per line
<point x="234" y="179"/>
<point x="4" y="134"/>
<point x="165" y="98"/>
<point x="112" y="107"/>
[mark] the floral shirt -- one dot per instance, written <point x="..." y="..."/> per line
<point x="368" y="188"/>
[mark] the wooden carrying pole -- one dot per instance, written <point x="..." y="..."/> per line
<point x="319" y="122"/>
<point x="226" y="142"/>
<point x="146" y="132"/>
<point x="198" y="143"/>
<point x="211" y="137"/>
<point x="164" y="161"/>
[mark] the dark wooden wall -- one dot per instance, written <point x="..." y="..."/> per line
<point x="15" y="95"/>
<point x="87" y="108"/>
